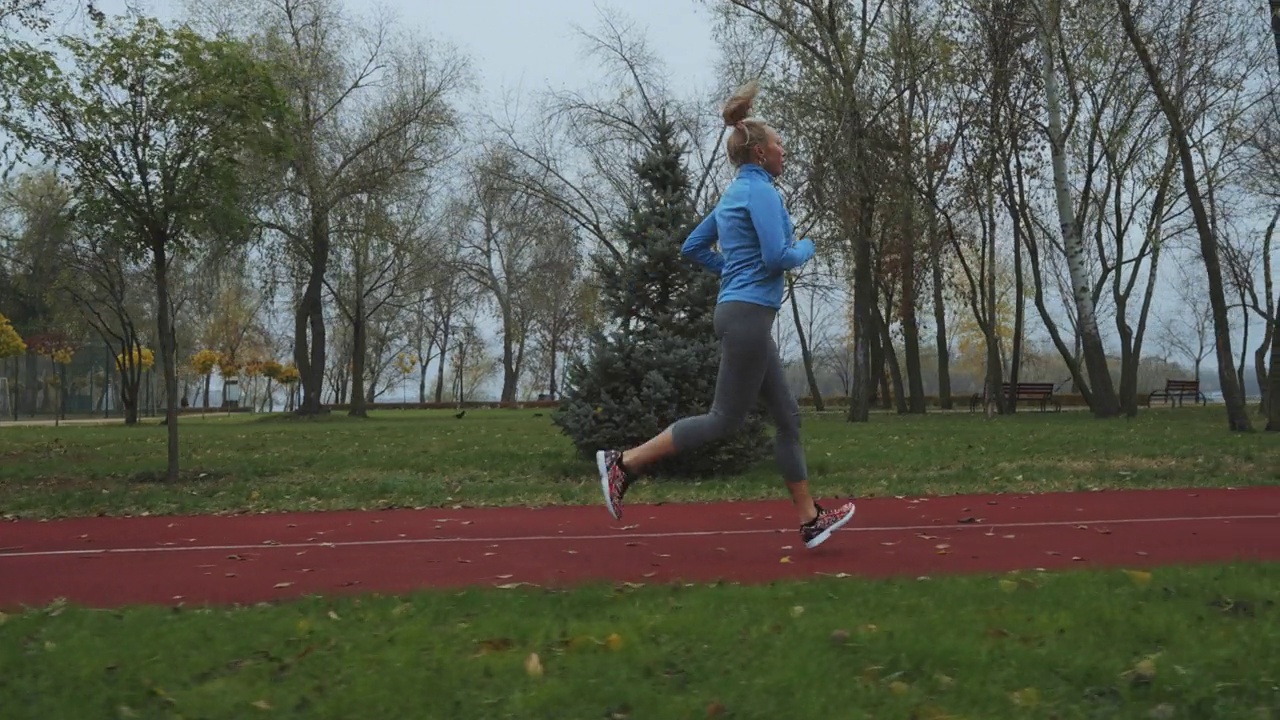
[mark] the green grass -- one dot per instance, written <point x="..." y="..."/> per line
<point x="1190" y="643"/>
<point x="503" y="457"/>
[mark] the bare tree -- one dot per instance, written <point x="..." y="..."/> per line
<point x="1237" y="414"/>
<point x="373" y="110"/>
<point x="501" y="228"/>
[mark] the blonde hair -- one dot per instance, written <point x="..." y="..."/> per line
<point x="748" y="133"/>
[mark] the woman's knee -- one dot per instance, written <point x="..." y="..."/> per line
<point x="788" y="425"/>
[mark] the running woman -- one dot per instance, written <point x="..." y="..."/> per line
<point x="757" y="246"/>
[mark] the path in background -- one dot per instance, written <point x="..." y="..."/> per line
<point x="193" y="560"/>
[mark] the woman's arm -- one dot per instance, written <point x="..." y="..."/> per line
<point x="769" y="218"/>
<point x="698" y="244"/>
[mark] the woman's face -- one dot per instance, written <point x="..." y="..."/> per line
<point x="770" y="154"/>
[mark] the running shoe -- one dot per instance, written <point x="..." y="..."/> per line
<point x="816" y="531"/>
<point x="614" y="480"/>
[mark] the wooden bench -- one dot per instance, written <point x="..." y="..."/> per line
<point x="1034" y="391"/>
<point x="1179" y="389"/>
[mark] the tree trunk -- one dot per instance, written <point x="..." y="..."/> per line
<point x="1232" y="393"/>
<point x="1273" y="385"/>
<point x="907" y="302"/>
<point x="359" y="349"/>
<point x="422" y="370"/>
<point x="940" y="317"/>
<point x="552" y="389"/>
<point x="510" y="363"/>
<point x="309" y="320"/>
<point x="1104" y="404"/>
<point x="1037" y="277"/>
<point x="1019" y="311"/>
<point x="806" y="356"/>
<point x="863" y="297"/>
<point x="444" y="357"/>
<point x="168" y="352"/>
<point x="895" y="369"/>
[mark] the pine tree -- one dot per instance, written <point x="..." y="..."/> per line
<point x="658" y="361"/>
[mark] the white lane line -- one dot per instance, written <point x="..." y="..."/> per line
<point x="623" y="536"/>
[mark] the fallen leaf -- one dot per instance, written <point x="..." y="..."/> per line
<point x="333" y="615"/>
<point x="261" y="704"/>
<point x="613" y="642"/>
<point x="484" y="647"/>
<point x="533" y="665"/>
<point x="283" y="584"/>
<point x="1143" y="672"/>
<point x="942" y="546"/>
<point x="786" y="559"/>
<point x="868" y="628"/>
<point x="944" y="681"/>
<point x="797" y="611"/>
<point x="1026" y="697"/>
<point x="897" y="687"/>
<point x="1139" y="578"/>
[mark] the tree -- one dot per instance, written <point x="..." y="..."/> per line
<point x="380" y="241"/>
<point x="501" y="228"/>
<point x="1232" y="392"/>
<point x="1102" y="396"/>
<point x="372" y="114"/>
<point x="659" y="360"/>
<point x="155" y="126"/>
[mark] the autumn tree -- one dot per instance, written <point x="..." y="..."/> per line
<point x="374" y="108"/>
<point x="154" y="126"/>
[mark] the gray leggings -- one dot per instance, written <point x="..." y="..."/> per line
<point x="749" y="368"/>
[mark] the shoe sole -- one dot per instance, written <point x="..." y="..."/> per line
<point x="822" y="536"/>
<point x="604" y="485"/>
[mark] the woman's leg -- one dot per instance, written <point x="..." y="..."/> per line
<point x="787" y="450"/>
<point x="745" y="342"/>
<point x="816" y="524"/>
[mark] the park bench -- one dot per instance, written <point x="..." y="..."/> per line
<point x="1179" y="389"/>
<point x="1041" y="392"/>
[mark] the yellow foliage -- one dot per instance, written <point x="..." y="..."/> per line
<point x="406" y="362"/>
<point x="141" y="357"/>
<point x="11" y="344"/>
<point x="228" y="366"/>
<point x="289" y="374"/>
<point x="204" y="361"/>
<point x="253" y="368"/>
<point x="272" y="369"/>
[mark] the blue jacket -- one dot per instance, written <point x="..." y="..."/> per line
<point x="757" y="240"/>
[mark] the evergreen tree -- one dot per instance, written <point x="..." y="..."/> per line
<point x="658" y="360"/>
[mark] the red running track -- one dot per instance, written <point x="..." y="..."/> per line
<point x="107" y="562"/>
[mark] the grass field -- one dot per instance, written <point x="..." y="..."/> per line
<point x="505" y="457"/>
<point x="1177" y="643"/>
